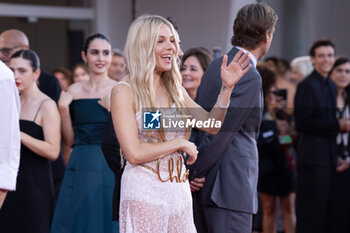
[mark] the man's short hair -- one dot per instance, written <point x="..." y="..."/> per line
<point x="117" y="52"/>
<point x="252" y="23"/>
<point x="320" y="43"/>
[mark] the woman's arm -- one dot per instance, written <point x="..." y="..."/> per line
<point x="230" y="75"/>
<point x="48" y="148"/>
<point x="125" y="125"/>
<point x="67" y="129"/>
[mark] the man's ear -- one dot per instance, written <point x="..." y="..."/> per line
<point x="268" y="35"/>
<point x="312" y="60"/>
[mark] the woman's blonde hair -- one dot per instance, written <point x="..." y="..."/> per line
<point x="139" y="55"/>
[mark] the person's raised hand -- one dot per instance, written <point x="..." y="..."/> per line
<point x="233" y="72"/>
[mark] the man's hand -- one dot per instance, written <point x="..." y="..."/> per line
<point x="2" y="196"/>
<point x="344" y="124"/>
<point x="233" y="72"/>
<point x="196" y="184"/>
<point x="342" y="165"/>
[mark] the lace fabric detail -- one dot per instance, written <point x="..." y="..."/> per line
<point x="150" y="205"/>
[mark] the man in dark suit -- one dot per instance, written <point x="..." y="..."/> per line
<point x="317" y="125"/>
<point x="111" y="150"/>
<point x="229" y="160"/>
<point x="14" y="40"/>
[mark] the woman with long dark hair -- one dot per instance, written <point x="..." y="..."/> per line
<point x="339" y="207"/>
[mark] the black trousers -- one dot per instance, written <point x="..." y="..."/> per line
<point x="338" y="219"/>
<point x="313" y="198"/>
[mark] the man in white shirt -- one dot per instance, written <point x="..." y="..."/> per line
<point x="10" y="140"/>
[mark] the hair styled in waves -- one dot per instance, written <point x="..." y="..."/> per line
<point x="139" y="55"/>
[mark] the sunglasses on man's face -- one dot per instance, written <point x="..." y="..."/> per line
<point x="7" y="51"/>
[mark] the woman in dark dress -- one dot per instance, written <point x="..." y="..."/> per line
<point x="339" y="210"/>
<point x="30" y="207"/>
<point x="84" y="203"/>
<point x="276" y="169"/>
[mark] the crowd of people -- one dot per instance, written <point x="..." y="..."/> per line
<point x="88" y="163"/>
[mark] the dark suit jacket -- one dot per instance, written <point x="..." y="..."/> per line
<point x="229" y="160"/>
<point x="49" y="85"/>
<point x="315" y="120"/>
<point x="111" y="150"/>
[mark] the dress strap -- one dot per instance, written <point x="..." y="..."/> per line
<point x="41" y="104"/>
<point x="123" y="83"/>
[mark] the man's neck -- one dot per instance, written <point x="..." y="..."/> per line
<point x="252" y="53"/>
<point x="324" y="75"/>
<point x="256" y="53"/>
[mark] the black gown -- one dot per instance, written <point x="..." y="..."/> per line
<point x="29" y="209"/>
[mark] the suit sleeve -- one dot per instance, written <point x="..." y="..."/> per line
<point x="111" y="149"/>
<point x="243" y="99"/>
<point x="308" y="118"/>
<point x="49" y="85"/>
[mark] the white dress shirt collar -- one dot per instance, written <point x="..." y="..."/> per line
<point x="252" y="57"/>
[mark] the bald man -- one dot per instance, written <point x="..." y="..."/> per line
<point x="14" y="40"/>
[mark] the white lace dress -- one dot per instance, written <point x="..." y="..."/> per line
<point x="149" y="205"/>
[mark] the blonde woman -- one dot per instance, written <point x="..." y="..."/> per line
<point x="155" y="196"/>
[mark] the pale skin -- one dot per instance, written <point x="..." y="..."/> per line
<point x="48" y="117"/>
<point x="124" y="107"/>
<point x="98" y="58"/>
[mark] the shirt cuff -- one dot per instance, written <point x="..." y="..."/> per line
<point x="8" y="177"/>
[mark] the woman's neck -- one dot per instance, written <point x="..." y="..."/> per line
<point x="156" y="81"/>
<point x="340" y="98"/>
<point x="29" y="93"/>
<point x="98" y="80"/>
<point x="340" y="91"/>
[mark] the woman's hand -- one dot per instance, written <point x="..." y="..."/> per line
<point x="65" y="100"/>
<point x="190" y="149"/>
<point x="232" y="73"/>
<point x="105" y="102"/>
